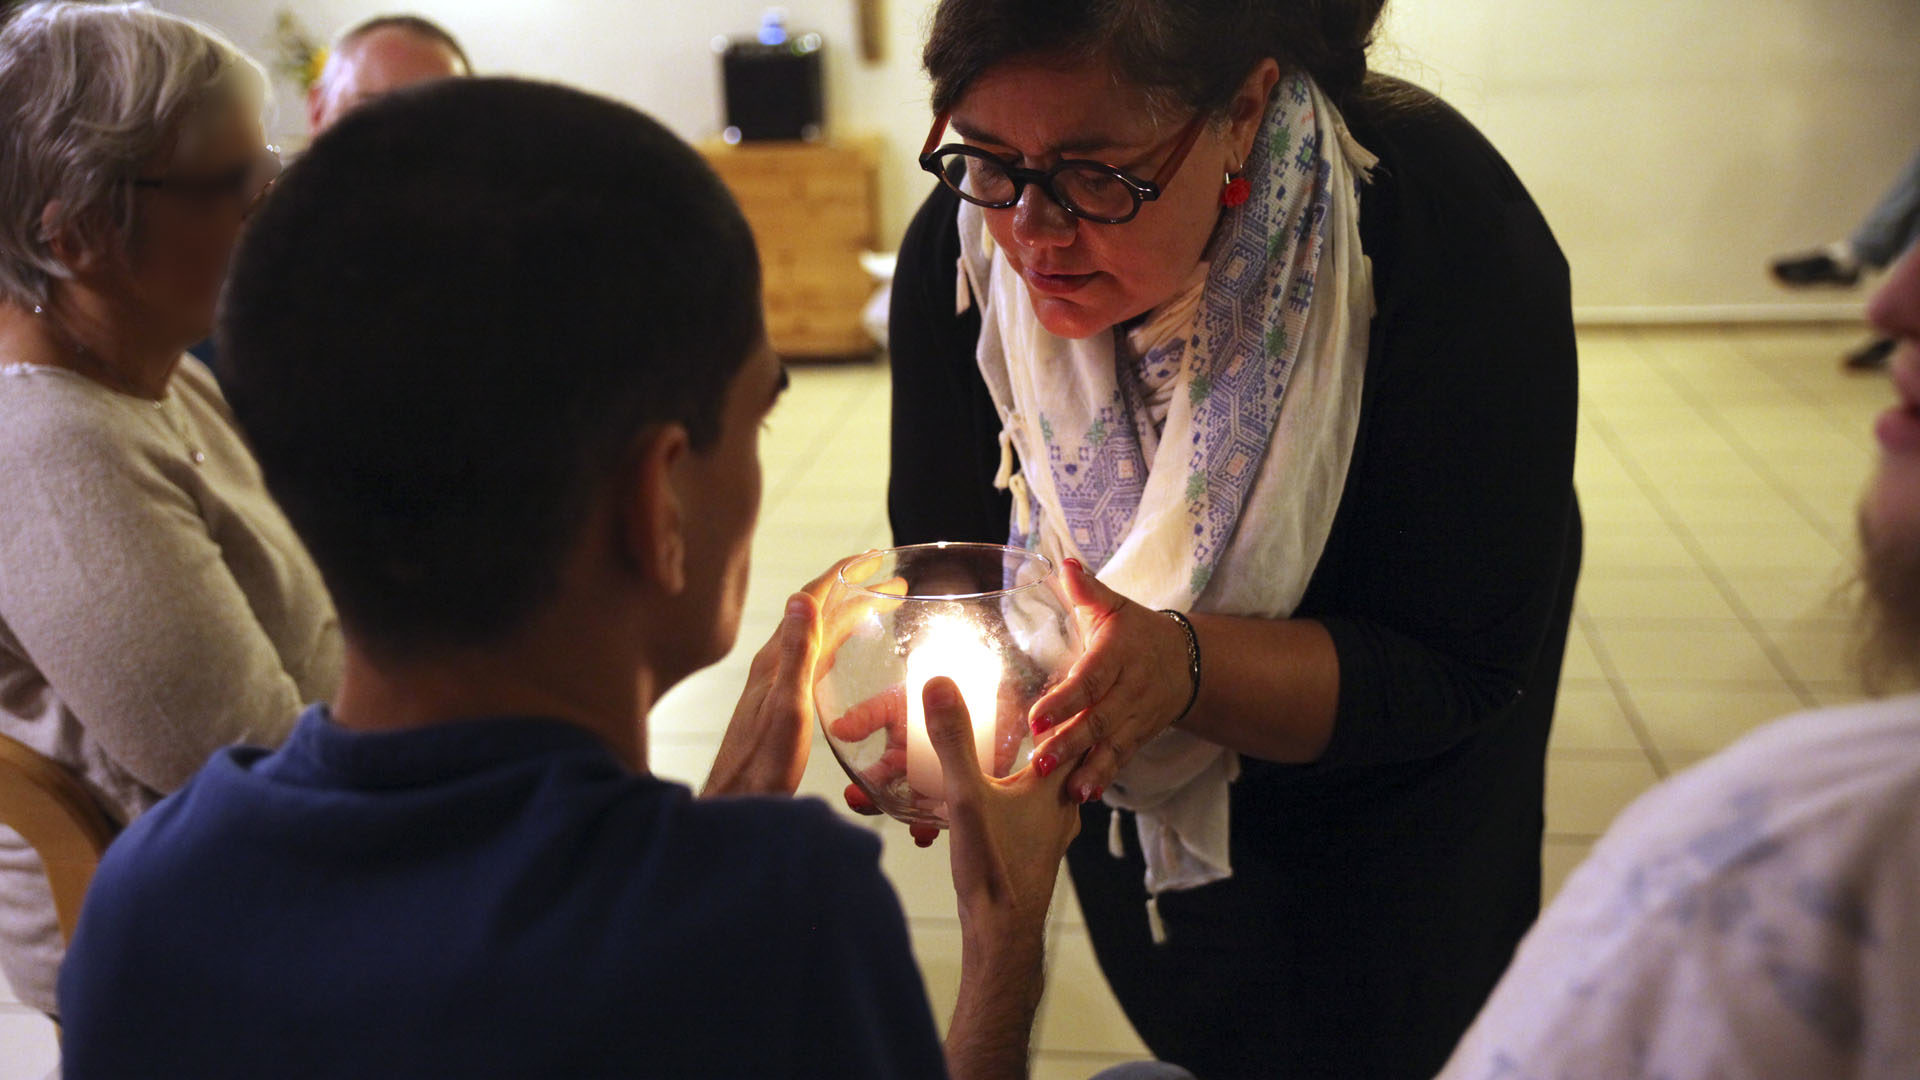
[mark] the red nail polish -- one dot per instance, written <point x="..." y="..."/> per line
<point x="1077" y="565"/>
<point x="1093" y="794"/>
<point x="1043" y="724"/>
<point x="1045" y="764"/>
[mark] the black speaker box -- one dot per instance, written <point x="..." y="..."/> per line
<point x="773" y="91"/>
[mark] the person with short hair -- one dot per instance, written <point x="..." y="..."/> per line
<point x="378" y="56"/>
<point x="1757" y="915"/>
<point x="510" y="393"/>
<point x="155" y="605"/>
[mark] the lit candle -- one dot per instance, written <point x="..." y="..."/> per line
<point x="950" y="647"/>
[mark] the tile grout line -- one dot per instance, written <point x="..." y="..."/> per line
<point x="1761" y="466"/>
<point x="1798" y="391"/>
<point x="1096" y="1057"/>
<point x="1754" y="459"/>
<point x="1596" y="753"/>
<point x="1680" y="682"/>
<point x="811" y="456"/>
<point x="1713" y="622"/>
<point x="1708" y="566"/>
<point x="1604" y="658"/>
<point x="1588" y="839"/>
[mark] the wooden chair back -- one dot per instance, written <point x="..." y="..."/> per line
<point x="47" y="804"/>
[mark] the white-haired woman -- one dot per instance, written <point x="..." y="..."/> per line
<point x="154" y="603"/>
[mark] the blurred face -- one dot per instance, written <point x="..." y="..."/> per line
<point x="721" y="494"/>
<point x="1083" y="277"/>
<point x="379" y="63"/>
<point x="190" y="209"/>
<point x="1892" y="511"/>
<point x="1890" y="517"/>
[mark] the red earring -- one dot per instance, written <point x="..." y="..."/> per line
<point x="1237" y="191"/>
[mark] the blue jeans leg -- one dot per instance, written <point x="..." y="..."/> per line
<point x="1894" y="224"/>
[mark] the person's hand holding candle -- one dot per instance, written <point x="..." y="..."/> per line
<point x="1009" y="837"/>
<point x="765" y="749"/>
<point x="885" y="711"/>
<point x="1130" y="685"/>
<point x="992" y="619"/>
<point x="993" y="703"/>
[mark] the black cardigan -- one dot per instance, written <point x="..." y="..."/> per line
<point x="1447" y="580"/>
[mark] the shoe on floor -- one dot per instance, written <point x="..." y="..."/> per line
<point x="1871" y="356"/>
<point x="1814" y="268"/>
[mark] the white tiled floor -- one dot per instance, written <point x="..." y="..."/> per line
<point x="28" y="1050"/>
<point x="1719" y="470"/>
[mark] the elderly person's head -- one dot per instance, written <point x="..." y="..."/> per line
<point x="1171" y="92"/>
<point x="131" y="155"/>
<point x="381" y="55"/>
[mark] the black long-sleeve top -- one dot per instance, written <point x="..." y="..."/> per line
<point x="1447" y="579"/>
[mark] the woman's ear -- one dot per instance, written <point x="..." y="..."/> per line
<point x="62" y="239"/>
<point x="77" y="247"/>
<point x="1249" y="110"/>
<point x="653" y="518"/>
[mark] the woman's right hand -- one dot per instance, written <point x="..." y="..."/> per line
<point x="859" y="803"/>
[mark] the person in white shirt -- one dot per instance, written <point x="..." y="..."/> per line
<point x="1759" y="914"/>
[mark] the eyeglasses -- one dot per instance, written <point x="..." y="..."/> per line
<point x="1088" y="190"/>
<point x="243" y="185"/>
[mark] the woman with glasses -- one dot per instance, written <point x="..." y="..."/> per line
<point x="1277" y="358"/>
<point x="154" y="603"/>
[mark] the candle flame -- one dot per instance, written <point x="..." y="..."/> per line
<point x="951" y="647"/>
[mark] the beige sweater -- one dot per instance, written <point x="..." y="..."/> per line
<point x="153" y="608"/>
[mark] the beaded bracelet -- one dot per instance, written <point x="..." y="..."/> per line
<point x="1193" y="660"/>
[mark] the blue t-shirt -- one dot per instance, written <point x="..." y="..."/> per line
<point x="496" y="897"/>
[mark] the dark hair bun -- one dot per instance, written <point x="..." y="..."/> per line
<point x="1196" y="51"/>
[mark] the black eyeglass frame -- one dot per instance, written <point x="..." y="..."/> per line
<point x="231" y="184"/>
<point x="1143" y="191"/>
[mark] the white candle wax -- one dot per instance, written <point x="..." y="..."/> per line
<point x="950" y="647"/>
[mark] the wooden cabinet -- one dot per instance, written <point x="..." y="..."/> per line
<point x="814" y="209"/>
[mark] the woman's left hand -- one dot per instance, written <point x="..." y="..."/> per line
<point x="1126" y="689"/>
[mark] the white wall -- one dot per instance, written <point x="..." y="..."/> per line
<point x="1674" y="144"/>
<point x="653" y="53"/>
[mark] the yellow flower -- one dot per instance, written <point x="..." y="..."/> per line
<point x="316" y="63"/>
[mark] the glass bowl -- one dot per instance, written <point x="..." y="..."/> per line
<point x="992" y="618"/>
